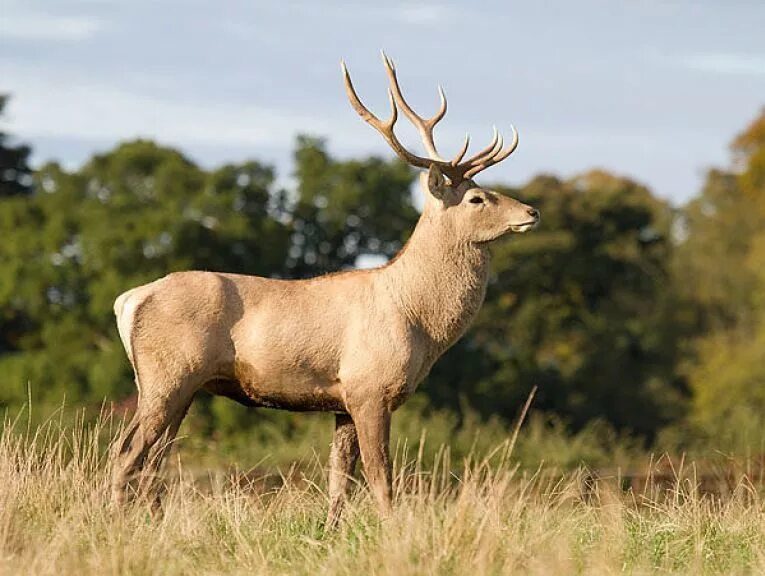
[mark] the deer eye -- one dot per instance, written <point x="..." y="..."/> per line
<point x="476" y="200"/>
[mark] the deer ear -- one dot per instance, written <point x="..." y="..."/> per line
<point x="436" y="182"/>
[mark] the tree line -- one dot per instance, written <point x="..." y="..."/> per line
<point x="619" y="307"/>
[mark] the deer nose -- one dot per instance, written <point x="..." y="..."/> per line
<point x="534" y="213"/>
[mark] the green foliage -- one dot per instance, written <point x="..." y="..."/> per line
<point x="346" y="209"/>
<point x="15" y="173"/>
<point x="141" y="211"/>
<point x="622" y="310"/>
<point x="721" y="267"/>
<point x="749" y="154"/>
<point x="127" y="217"/>
<point x="15" y="183"/>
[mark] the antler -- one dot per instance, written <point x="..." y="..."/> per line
<point x="424" y="127"/>
<point x="455" y="169"/>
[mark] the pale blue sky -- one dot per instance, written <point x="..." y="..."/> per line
<point x="654" y="90"/>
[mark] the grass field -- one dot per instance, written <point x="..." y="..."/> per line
<point x="479" y="515"/>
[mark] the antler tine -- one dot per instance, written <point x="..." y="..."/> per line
<point x="384" y="128"/>
<point x="481" y="155"/>
<point x="510" y="149"/>
<point x="496" y="158"/>
<point x="393" y="113"/>
<point x="424" y="125"/>
<point x="497" y="149"/>
<point x="441" y="109"/>
<point x="362" y="110"/>
<point x="458" y="157"/>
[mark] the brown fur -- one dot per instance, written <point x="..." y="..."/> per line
<point x="356" y="344"/>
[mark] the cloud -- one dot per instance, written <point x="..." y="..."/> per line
<point x="45" y="105"/>
<point x="50" y="105"/>
<point x="39" y="26"/>
<point x="726" y="63"/>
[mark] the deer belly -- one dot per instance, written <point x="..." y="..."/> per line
<point x="296" y="390"/>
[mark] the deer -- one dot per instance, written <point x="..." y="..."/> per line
<point x="355" y="343"/>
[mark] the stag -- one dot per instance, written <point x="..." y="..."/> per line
<point x="355" y="343"/>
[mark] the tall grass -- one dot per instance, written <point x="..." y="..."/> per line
<point x="481" y="514"/>
<point x="277" y="439"/>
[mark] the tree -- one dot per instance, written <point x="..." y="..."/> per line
<point x="15" y="186"/>
<point x="127" y="217"/>
<point x="140" y="211"/>
<point x="15" y="173"/>
<point x="749" y="158"/>
<point x="346" y="209"/>
<point x="722" y="262"/>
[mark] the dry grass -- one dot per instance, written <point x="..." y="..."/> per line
<point x="486" y="518"/>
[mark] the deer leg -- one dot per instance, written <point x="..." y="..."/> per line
<point x="154" y="418"/>
<point x="373" y="429"/>
<point x="342" y="462"/>
<point x="162" y="447"/>
<point x="157" y="453"/>
<point x="141" y="434"/>
<point x="122" y="449"/>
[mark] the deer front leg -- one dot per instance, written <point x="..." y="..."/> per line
<point x="373" y="428"/>
<point x="342" y="463"/>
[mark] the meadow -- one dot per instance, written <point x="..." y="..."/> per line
<point x="460" y="508"/>
<point x="642" y="323"/>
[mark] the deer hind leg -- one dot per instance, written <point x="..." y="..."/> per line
<point x="161" y="448"/>
<point x="342" y="463"/>
<point x="146" y="439"/>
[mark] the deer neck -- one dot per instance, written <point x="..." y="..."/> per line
<point x="438" y="282"/>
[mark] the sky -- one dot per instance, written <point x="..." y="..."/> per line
<point x="651" y="90"/>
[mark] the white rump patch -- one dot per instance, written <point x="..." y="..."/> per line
<point x="124" y="309"/>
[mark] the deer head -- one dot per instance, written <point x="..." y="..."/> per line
<point x="470" y="213"/>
